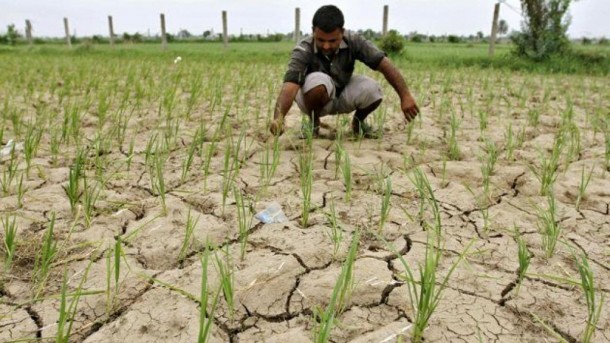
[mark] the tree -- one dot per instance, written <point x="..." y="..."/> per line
<point x="543" y="29"/>
<point x="11" y="35"/>
<point x="502" y="27"/>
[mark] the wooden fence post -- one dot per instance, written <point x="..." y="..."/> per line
<point x="67" y="29"/>
<point x="163" y="34"/>
<point x="494" y="30"/>
<point x="28" y="31"/>
<point x="385" y="20"/>
<point x="225" y="35"/>
<point x="111" y="30"/>
<point x="297" y="24"/>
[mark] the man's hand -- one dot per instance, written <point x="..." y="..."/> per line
<point x="409" y="107"/>
<point x="276" y="127"/>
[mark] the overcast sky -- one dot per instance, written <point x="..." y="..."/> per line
<point x="462" y="17"/>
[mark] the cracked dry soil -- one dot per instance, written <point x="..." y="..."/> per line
<point x="289" y="270"/>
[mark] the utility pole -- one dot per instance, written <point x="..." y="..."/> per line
<point x="163" y="34"/>
<point x="111" y="29"/>
<point x="67" y="29"/>
<point x="297" y="24"/>
<point x="385" y="20"/>
<point x="225" y="35"/>
<point x="494" y="30"/>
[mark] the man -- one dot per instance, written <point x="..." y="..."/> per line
<point x="320" y="79"/>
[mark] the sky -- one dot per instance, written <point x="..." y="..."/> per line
<point x="437" y="17"/>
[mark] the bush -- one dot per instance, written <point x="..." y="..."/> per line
<point x="453" y="39"/>
<point x="392" y="43"/>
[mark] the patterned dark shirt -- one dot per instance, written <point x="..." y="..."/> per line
<point x="306" y="59"/>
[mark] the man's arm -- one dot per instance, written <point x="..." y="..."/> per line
<point x="394" y="77"/>
<point x="282" y="106"/>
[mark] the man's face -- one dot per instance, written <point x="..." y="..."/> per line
<point x="328" y="42"/>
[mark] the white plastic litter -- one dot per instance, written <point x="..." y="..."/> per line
<point x="6" y="150"/>
<point x="272" y="214"/>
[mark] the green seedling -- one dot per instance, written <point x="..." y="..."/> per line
<point x="224" y="267"/>
<point x="306" y="175"/>
<point x="582" y="187"/>
<point x="91" y="194"/>
<point x="335" y="233"/>
<point x="206" y="311"/>
<point x="244" y="219"/>
<point x="188" y="236"/>
<point x="386" y="203"/>
<point x="453" y="147"/>
<point x="547" y="172"/>
<point x="10" y="240"/>
<point x="324" y="321"/>
<point x="524" y="260"/>
<point x="346" y="170"/>
<point x="46" y="256"/>
<point x="594" y="299"/>
<point x="548" y="226"/>
<point x="510" y="142"/>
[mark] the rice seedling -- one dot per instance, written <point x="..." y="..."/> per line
<point x="306" y="175"/>
<point x="409" y="131"/>
<point x="386" y="203"/>
<point x="324" y="321"/>
<point x="547" y="172"/>
<point x="453" y="151"/>
<point x="130" y="153"/>
<point x="335" y="233"/>
<point x="509" y="145"/>
<point x="224" y="267"/>
<point x="421" y="183"/>
<point x="206" y="310"/>
<point x="425" y="293"/>
<point x="229" y="173"/>
<point x="31" y="143"/>
<point x="91" y="193"/>
<point x="483" y="121"/>
<point x="10" y="240"/>
<point x="244" y="218"/>
<point x="524" y="259"/>
<point x="9" y="174"/>
<point x="75" y="173"/>
<point x="113" y="268"/>
<point x="67" y="312"/>
<point x="582" y="187"/>
<point x="593" y="298"/>
<point x="43" y="261"/>
<point x="533" y="117"/>
<point x="188" y="236"/>
<point x="548" y="226"/>
<point x="346" y="171"/>
<point x="21" y="189"/>
<point x="156" y="172"/>
<point x="270" y="159"/>
<point x="607" y="150"/>
<point x="188" y="161"/>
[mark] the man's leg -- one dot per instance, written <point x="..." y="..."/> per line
<point x="358" y="126"/>
<point x="315" y="100"/>
<point x="362" y="94"/>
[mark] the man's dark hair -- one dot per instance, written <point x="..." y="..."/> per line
<point x="328" y="18"/>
